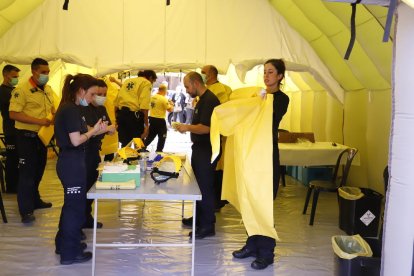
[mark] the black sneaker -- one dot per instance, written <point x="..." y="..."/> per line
<point x="28" y="218"/>
<point x="81" y="258"/>
<point x="43" y="205"/>
<point x="244" y="253"/>
<point x="220" y="205"/>
<point x="188" y="221"/>
<point x="261" y="263"/>
<point x="202" y="233"/>
<point x="83" y="246"/>
<point x="89" y="225"/>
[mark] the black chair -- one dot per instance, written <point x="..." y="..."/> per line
<point x="329" y="185"/>
<point x="3" y="211"/>
<point x="2" y="170"/>
<point x="283" y="175"/>
<point x="2" y="181"/>
<point x="3" y="154"/>
<point x="53" y="146"/>
<point x="282" y="168"/>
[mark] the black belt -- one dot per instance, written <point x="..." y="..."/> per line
<point x="138" y="114"/>
<point x="124" y="108"/>
<point x="27" y="133"/>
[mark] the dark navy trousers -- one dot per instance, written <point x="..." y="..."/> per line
<point x="12" y="164"/>
<point x="158" y="127"/>
<point x="92" y="159"/>
<point x="32" y="163"/>
<point x="204" y="172"/>
<point x="71" y="170"/>
<point x="130" y="125"/>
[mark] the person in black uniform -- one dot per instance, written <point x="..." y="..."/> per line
<point x="262" y="247"/>
<point x="10" y="80"/>
<point x="31" y="107"/>
<point x="72" y="135"/>
<point x="93" y="113"/>
<point x="201" y="155"/>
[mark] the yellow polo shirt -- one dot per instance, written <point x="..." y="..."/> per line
<point x="221" y="91"/>
<point x="159" y="106"/>
<point x="135" y="94"/>
<point x="32" y="101"/>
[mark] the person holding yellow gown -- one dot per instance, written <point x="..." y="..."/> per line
<point x="251" y="126"/>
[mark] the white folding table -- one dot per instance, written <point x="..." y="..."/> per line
<point x="311" y="154"/>
<point x="185" y="187"/>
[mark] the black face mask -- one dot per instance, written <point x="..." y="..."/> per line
<point x="162" y="176"/>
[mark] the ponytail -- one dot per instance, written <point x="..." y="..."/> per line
<point x="67" y="93"/>
<point x="72" y="85"/>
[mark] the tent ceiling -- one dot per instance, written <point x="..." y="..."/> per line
<point x="326" y="27"/>
<point x="368" y="2"/>
<point x="11" y="11"/>
<point x="216" y="32"/>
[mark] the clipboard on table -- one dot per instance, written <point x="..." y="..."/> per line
<point x="46" y="132"/>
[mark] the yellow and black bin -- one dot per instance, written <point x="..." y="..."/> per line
<point x="359" y="211"/>
<point x="356" y="256"/>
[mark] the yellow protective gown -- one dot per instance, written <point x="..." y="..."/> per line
<point x="248" y="168"/>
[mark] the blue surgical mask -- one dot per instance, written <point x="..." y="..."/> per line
<point x="43" y="79"/>
<point x="83" y="102"/>
<point x="14" y="81"/>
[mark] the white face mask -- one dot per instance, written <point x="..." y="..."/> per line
<point x="204" y="76"/>
<point x="99" y="100"/>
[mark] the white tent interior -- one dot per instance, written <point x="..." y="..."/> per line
<point x="348" y="101"/>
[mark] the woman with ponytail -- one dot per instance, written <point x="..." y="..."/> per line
<point x="72" y="135"/>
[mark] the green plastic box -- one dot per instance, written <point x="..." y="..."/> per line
<point x="133" y="173"/>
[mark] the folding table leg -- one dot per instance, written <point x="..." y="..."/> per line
<point x="193" y="238"/>
<point x="119" y="208"/>
<point x="95" y="219"/>
<point x="3" y="211"/>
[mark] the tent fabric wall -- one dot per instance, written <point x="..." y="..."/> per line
<point x="399" y="225"/>
<point x="11" y="11"/>
<point x="310" y="35"/>
<point x="119" y="37"/>
<point x="326" y="27"/>
<point x="365" y="77"/>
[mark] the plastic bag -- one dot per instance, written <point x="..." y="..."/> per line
<point x="349" y="247"/>
<point x="351" y="193"/>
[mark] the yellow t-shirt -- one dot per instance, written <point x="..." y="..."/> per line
<point x="135" y="94"/>
<point x="159" y="106"/>
<point x="221" y="91"/>
<point x="32" y="101"/>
